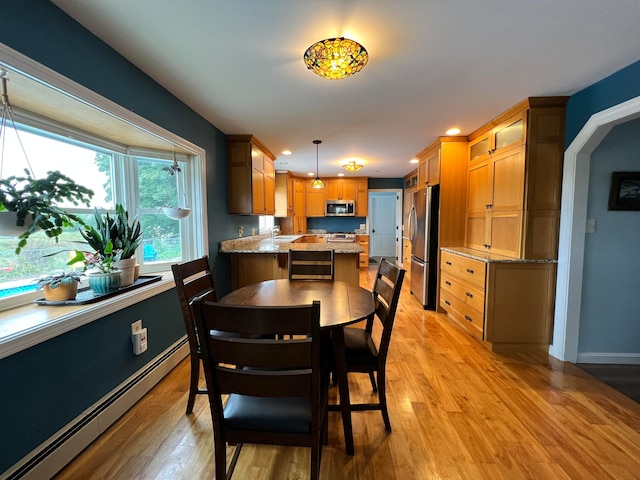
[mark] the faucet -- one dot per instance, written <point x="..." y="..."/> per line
<point x="275" y="230"/>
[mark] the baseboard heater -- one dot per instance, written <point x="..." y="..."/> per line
<point x="48" y="459"/>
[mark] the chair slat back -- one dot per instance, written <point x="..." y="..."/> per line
<point x="311" y="265"/>
<point x="246" y="363"/>
<point x="194" y="280"/>
<point x="386" y="291"/>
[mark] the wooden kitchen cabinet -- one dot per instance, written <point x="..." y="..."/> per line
<point x="340" y="189"/>
<point x="284" y="194"/>
<point x="314" y="200"/>
<point x="406" y="258"/>
<point x="362" y="197"/>
<point x="429" y="167"/>
<point x="251" y="176"/>
<point x="297" y="223"/>
<point x="363" y="259"/>
<point x="506" y="304"/>
<point x="514" y="178"/>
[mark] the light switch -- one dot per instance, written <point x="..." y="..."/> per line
<point x="591" y="225"/>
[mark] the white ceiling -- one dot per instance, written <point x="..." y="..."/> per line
<point x="433" y="64"/>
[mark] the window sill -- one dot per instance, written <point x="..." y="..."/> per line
<point x="29" y="325"/>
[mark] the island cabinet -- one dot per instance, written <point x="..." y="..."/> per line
<point x="514" y="179"/>
<point x="250" y="268"/>
<point x="363" y="241"/>
<point x="362" y="197"/>
<point x="340" y="189"/>
<point x="314" y="200"/>
<point x="251" y="176"/>
<point x="506" y="303"/>
<point x="284" y="194"/>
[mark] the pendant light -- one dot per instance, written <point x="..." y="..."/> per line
<point x="317" y="183"/>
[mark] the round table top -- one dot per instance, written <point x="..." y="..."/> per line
<point x="341" y="303"/>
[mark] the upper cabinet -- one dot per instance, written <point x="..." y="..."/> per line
<point x="340" y="189"/>
<point x="428" y="168"/>
<point x="251" y="176"/>
<point x="362" y="197"/>
<point x="314" y="199"/>
<point x="284" y="194"/>
<point x="514" y="178"/>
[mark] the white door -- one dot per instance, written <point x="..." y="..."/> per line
<point x="383" y="231"/>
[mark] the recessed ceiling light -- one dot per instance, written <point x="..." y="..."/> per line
<point x="453" y="131"/>
<point x="414" y="160"/>
<point x="311" y="174"/>
<point x="287" y="152"/>
<point x="341" y="174"/>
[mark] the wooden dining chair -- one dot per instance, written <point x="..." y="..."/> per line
<point x="362" y="353"/>
<point x="194" y="280"/>
<point x="311" y="265"/>
<point x="277" y="388"/>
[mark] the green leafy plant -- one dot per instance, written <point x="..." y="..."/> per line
<point x="124" y="236"/>
<point x="63" y="278"/>
<point x="104" y="261"/>
<point x="33" y="198"/>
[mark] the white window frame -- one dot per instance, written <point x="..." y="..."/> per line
<point x="194" y="236"/>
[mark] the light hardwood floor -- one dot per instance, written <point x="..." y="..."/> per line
<point x="458" y="411"/>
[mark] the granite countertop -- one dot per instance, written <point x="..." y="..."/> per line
<point x="490" y="257"/>
<point x="282" y="244"/>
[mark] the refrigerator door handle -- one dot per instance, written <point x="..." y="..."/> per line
<point x="411" y="222"/>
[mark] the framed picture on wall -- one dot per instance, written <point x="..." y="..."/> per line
<point x="625" y="191"/>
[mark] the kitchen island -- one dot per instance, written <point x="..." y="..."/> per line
<point x="261" y="257"/>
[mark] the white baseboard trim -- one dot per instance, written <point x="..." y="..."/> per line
<point x="611" y="358"/>
<point x="56" y="452"/>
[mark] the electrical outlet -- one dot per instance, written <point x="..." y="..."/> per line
<point x="136" y="327"/>
<point x="591" y="225"/>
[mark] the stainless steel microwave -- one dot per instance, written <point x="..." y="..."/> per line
<point x="340" y="208"/>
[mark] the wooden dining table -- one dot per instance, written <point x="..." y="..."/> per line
<point x="341" y="304"/>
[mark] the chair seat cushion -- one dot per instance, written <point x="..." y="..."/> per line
<point x="359" y="347"/>
<point x="289" y="414"/>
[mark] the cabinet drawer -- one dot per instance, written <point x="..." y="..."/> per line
<point x="463" y="313"/>
<point x="465" y="292"/>
<point x="469" y="270"/>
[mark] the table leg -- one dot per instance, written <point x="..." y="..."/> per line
<point x="343" y="387"/>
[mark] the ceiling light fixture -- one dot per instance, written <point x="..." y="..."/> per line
<point x="352" y="166"/>
<point x="453" y="131"/>
<point x="336" y="58"/>
<point x="317" y="183"/>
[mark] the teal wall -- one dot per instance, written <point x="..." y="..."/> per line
<point x="616" y="88"/>
<point x="45" y="386"/>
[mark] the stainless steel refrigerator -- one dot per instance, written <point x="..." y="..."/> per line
<point x="423" y="233"/>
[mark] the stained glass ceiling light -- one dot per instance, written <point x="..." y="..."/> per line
<point x="352" y="166"/>
<point x="336" y="58"/>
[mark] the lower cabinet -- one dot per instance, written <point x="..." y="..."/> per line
<point x="363" y="241"/>
<point x="248" y="268"/>
<point x="506" y="303"/>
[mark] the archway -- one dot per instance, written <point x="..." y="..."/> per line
<point x="573" y="216"/>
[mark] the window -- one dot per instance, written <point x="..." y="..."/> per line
<point x="266" y="223"/>
<point x="131" y="176"/>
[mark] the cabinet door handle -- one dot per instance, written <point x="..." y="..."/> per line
<point x="448" y="263"/>
<point x="470" y="295"/>
<point x="469" y="270"/>
<point x="468" y="318"/>
<point x="447" y="282"/>
<point x="447" y="302"/>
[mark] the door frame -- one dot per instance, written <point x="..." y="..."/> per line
<point x="398" y="192"/>
<point x="573" y="218"/>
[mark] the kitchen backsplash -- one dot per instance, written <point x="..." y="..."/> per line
<point x="336" y="224"/>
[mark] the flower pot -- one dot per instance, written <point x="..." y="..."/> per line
<point x="61" y="293"/>
<point x="8" y="227"/>
<point x="127" y="266"/>
<point x="102" y="283"/>
<point x="176" y="213"/>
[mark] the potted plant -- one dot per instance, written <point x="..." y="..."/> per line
<point x="124" y="237"/>
<point x="33" y="203"/>
<point x="61" y="286"/>
<point x="100" y="266"/>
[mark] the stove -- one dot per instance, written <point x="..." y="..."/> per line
<point x="341" y="238"/>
